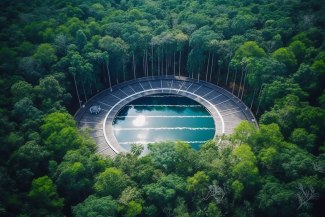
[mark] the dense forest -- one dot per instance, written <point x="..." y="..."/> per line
<point x="55" y="55"/>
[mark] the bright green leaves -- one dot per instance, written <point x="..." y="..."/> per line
<point x="21" y="89"/>
<point x="96" y="207"/>
<point x="198" y="182"/>
<point x="63" y="141"/>
<point x="55" y="122"/>
<point x="299" y="50"/>
<point x="165" y="189"/>
<point x="113" y="45"/>
<point x="248" y="50"/>
<point x="200" y="38"/>
<point x="60" y="134"/>
<point x="136" y="149"/>
<point x="277" y="200"/>
<point x="163" y="155"/>
<point x="213" y="210"/>
<point x="45" y="54"/>
<point x="279" y="89"/>
<point x="111" y="182"/>
<point x="303" y="139"/>
<point x="51" y="93"/>
<point x="44" y="198"/>
<point x="244" y="165"/>
<point x="285" y="56"/>
<point x="25" y="109"/>
<point x="264" y="70"/>
<point x="133" y="209"/>
<point x="172" y="156"/>
<point x="81" y="39"/>
<point x="237" y="188"/>
<point x="241" y="23"/>
<point x="243" y="132"/>
<point x="267" y="156"/>
<point x="31" y="156"/>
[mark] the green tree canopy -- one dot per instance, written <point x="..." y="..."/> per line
<point x="111" y="182"/>
<point x="96" y="207"/>
<point x="44" y="198"/>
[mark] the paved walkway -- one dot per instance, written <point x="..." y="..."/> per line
<point x="227" y="110"/>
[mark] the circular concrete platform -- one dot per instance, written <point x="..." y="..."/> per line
<point x="227" y="110"/>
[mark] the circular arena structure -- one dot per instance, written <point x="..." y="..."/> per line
<point x="99" y="114"/>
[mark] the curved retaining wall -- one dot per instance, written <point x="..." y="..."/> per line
<point x="226" y="109"/>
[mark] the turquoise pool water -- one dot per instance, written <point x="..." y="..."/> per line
<point x="163" y="117"/>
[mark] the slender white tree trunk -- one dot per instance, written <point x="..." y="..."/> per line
<point x="233" y="85"/>
<point x="143" y="63"/>
<point x="75" y="84"/>
<point x="91" y="89"/>
<point x="174" y="64"/>
<point x="241" y="79"/>
<point x="179" y="63"/>
<point x="83" y="88"/>
<point x="228" y="72"/>
<point x="103" y="68"/>
<point x="158" y="62"/>
<point x="152" y="60"/>
<point x="259" y="99"/>
<point x="134" y="66"/>
<point x="123" y="68"/>
<point x="252" y="99"/>
<point x="166" y="63"/>
<point x="206" y="74"/>
<point x="242" y="93"/>
<point x="211" y="68"/>
<point x="218" y="73"/>
<point x="109" y="76"/>
<point x="147" y="65"/>
<point x="162" y="62"/>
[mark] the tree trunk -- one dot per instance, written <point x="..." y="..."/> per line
<point x="143" y="62"/>
<point x="242" y="93"/>
<point x="174" y="64"/>
<point x="83" y="88"/>
<point x="259" y="101"/>
<point x="109" y="76"/>
<point x="206" y="74"/>
<point x="158" y="63"/>
<point x="241" y="79"/>
<point x="233" y="85"/>
<point x="134" y="67"/>
<point x="211" y="69"/>
<point x="252" y="99"/>
<point x="75" y="84"/>
<point x="162" y="62"/>
<point x="228" y="72"/>
<point x="103" y="68"/>
<point x="179" y="63"/>
<point x="91" y="89"/>
<point x="152" y="60"/>
<point x="218" y="79"/>
<point x="96" y="85"/>
<point x="123" y="68"/>
<point x="147" y="65"/>
<point x="166" y="63"/>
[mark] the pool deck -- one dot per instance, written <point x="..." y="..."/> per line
<point x="227" y="110"/>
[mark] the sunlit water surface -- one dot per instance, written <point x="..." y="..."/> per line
<point x="163" y="117"/>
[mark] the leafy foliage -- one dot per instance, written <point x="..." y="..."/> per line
<point x="55" y="55"/>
